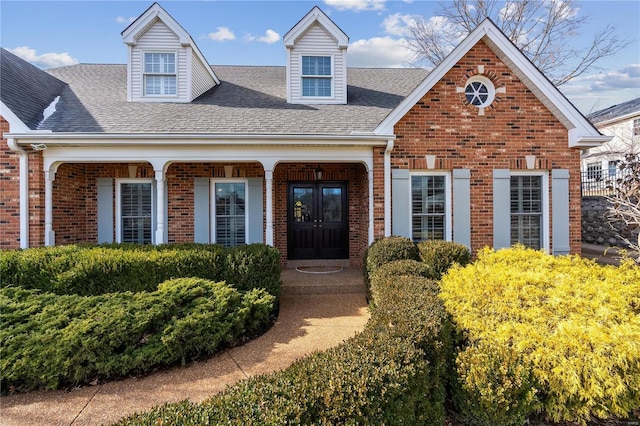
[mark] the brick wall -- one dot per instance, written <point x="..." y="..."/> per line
<point x="9" y="193"/>
<point x="515" y="125"/>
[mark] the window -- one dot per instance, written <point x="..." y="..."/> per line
<point x="479" y="91"/>
<point x="316" y="76"/>
<point x="526" y="210"/>
<point x="430" y="202"/>
<point x="613" y="168"/>
<point x="594" y="171"/>
<point x="134" y="211"/>
<point x="636" y="126"/>
<point x="230" y="213"/>
<point x="159" y="74"/>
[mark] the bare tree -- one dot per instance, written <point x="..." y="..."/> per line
<point x="624" y="204"/>
<point x="542" y="29"/>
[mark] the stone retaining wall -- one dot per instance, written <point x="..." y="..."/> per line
<point x="596" y="228"/>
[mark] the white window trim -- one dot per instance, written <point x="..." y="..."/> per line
<point x="545" y="204"/>
<point x="488" y="84"/>
<point x="144" y="74"/>
<point x="448" y="197"/>
<point x="119" y="183"/>
<point x="331" y="77"/>
<point x="212" y="217"/>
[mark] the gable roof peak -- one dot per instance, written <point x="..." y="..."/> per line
<point x="315" y="15"/>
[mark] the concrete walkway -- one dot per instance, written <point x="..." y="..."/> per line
<point x="317" y="311"/>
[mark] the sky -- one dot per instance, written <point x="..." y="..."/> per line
<point x="59" y="33"/>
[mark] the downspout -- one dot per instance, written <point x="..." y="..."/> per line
<point x="24" y="191"/>
<point x="387" y="188"/>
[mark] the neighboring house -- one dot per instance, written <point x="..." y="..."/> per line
<point x="622" y="122"/>
<point x="315" y="158"/>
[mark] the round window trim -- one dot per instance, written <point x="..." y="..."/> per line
<point x="479" y="91"/>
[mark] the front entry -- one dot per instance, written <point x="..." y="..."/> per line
<point x="318" y="220"/>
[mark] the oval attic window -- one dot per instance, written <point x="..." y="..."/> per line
<point x="479" y="91"/>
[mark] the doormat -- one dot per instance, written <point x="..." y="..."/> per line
<point x="319" y="269"/>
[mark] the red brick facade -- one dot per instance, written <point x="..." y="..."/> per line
<point x="441" y="124"/>
<point x="516" y="124"/>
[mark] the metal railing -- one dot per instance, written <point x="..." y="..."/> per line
<point x="599" y="182"/>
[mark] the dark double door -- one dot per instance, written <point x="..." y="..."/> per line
<point x="318" y="220"/>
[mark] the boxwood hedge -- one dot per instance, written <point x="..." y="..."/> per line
<point x="71" y="314"/>
<point x="394" y="372"/>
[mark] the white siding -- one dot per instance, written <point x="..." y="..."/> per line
<point x="201" y="80"/>
<point x="159" y="38"/>
<point x="317" y="41"/>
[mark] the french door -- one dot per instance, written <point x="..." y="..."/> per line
<point x="318" y="220"/>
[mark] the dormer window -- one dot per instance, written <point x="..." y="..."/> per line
<point x="160" y="74"/>
<point x="316" y="76"/>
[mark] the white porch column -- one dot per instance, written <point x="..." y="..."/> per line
<point x="371" y="206"/>
<point x="387" y="188"/>
<point x="49" y="235"/>
<point x="160" y="217"/>
<point x="268" y="176"/>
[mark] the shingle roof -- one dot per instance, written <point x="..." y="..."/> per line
<point x="26" y="89"/>
<point x="250" y="100"/>
<point x="615" y="111"/>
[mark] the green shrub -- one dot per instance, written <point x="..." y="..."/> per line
<point x="48" y="340"/>
<point x="391" y="373"/>
<point x="93" y="270"/>
<point x="573" y="323"/>
<point x="254" y="266"/>
<point x="386" y="250"/>
<point x="441" y="255"/>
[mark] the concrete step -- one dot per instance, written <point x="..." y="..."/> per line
<point x="322" y="280"/>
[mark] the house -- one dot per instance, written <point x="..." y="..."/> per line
<point x="622" y="123"/>
<point x="315" y="158"/>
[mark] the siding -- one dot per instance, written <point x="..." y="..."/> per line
<point x="201" y="80"/>
<point x="159" y="38"/>
<point x="317" y="41"/>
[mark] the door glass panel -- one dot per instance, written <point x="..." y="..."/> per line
<point x="331" y="205"/>
<point x="302" y="204"/>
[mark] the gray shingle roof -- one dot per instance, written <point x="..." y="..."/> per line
<point x="250" y="100"/>
<point x="615" y="111"/>
<point x="26" y="89"/>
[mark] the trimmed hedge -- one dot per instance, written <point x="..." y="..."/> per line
<point x="392" y="373"/>
<point x="93" y="270"/>
<point x="386" y="250"/>
<point x="558" y="334"/>
<point x="48" y="340"/>
<point x="441" y="255"/>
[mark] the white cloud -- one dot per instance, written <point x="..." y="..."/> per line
<point x="222" y="34"/>
<point x="356" y="5"/>
<point x="46" y="60"/>
<point x="123" y="20"/>
<point x="269" y="37"/>
<point x="398" y="24"/>
<point x="380" y="52"/>
<point x="596" y="91"/>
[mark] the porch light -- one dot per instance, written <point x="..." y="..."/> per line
<point x="318" y="173"/>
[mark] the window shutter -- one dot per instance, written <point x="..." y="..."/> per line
<point x="105" y="210"/>
<point x="201" y="216"/>
<point x="254" y="195"/>
<point x="400" y="203"/>
<point x="462" y="206"/>
<point x="501" y="208"/>
<point x="560" y="208"/>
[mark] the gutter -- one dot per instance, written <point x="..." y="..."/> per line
<point x="24" y="190"/>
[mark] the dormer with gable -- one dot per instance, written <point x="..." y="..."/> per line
<point x="316" y="61"/>
<point x="164" y="64"/>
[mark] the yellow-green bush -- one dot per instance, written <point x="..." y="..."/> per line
<point x="575" y="324"/>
